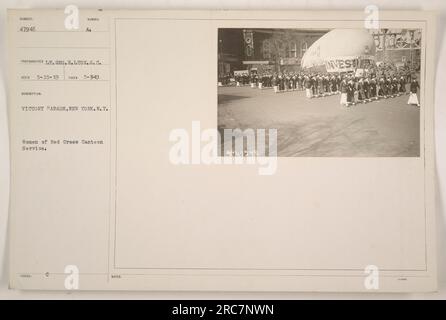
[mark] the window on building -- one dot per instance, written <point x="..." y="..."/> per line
<point x="303" y="48"/>
<point x="292" y="49"/>
<point x="280" y="49"/>
<point x="266" y="49"/>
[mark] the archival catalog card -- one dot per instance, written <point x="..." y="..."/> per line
<point x="222" y="150"/>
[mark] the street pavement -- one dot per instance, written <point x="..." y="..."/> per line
<point x="321" y="127"/>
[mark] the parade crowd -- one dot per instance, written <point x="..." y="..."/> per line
<point x="353" y="89"/>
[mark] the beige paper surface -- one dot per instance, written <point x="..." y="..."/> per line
<point x="93" y="188"/>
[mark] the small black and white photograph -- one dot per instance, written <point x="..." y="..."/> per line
<point x="327" y="92"/>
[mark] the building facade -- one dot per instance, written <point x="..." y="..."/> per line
<point x="281" y="50"/>
<point x="264" y="50"/>
<point x="401" y="47"/>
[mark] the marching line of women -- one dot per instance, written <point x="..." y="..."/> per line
<point x="353" y="89"/>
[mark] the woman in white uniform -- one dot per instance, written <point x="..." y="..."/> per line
<point x="413" y="98"/>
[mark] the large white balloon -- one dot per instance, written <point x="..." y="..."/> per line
<point x="339" y="47"/>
